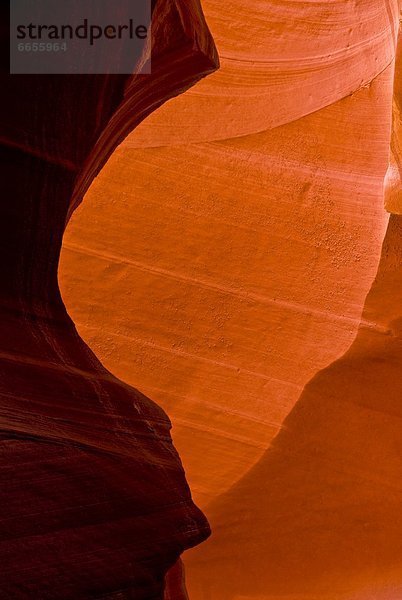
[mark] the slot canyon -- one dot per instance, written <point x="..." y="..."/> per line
<point x="201" y="332"/>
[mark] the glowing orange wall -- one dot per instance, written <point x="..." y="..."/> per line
<point x="221" y="263"/>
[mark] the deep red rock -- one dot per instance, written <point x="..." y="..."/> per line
<point x="93" y="497"/>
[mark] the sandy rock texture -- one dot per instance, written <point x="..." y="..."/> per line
<point x="234" y="261"/>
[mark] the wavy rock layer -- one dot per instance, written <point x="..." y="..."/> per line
<point x="245" y="233"/>
<point x="279" y="62"/>
<point x="200" y="288"/>
<point x="94" y="502"/>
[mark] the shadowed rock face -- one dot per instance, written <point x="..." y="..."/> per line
<point x="93" y="498"/>
<point x="318" y="517"/>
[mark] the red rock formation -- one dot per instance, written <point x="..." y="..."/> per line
<point x="175" y="585"/>
<point x="94" y="502"/>
<point x="248" y="230"/>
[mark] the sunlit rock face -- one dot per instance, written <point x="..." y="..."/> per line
<point x="235" y="262"/>
<point x="393" y="180"/>
<point x="93" y="498"/>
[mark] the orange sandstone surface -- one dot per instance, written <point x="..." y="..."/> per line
<point x="229" y="261"/>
